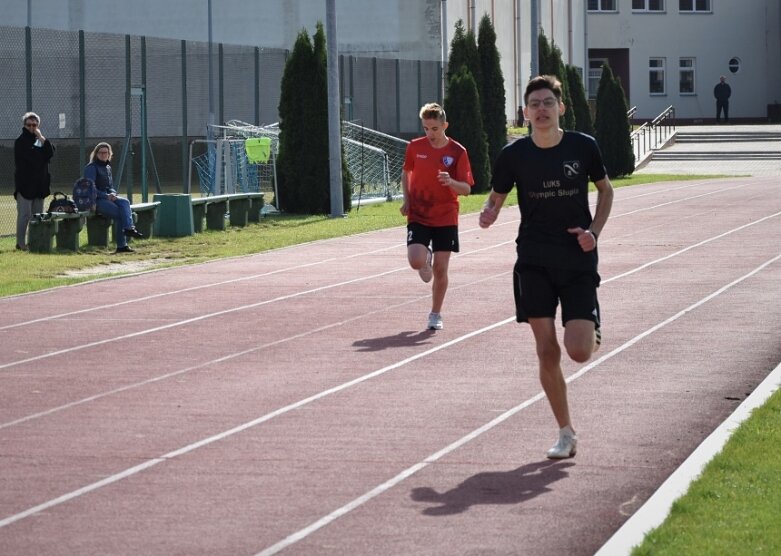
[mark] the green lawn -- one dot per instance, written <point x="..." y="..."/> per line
<point x="734" y="508"/>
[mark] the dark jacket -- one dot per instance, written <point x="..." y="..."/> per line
<point x="100" y="173"/>
<point x="31" y="176"/>
<point x="722" y="91"/>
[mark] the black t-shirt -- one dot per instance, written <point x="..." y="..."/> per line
<point x="552" y="196"/>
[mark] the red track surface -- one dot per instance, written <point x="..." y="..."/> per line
<point x="292" y="400"/>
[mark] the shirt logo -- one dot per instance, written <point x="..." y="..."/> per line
<point x="448" y="161"/>
<point x="572" y="169"/>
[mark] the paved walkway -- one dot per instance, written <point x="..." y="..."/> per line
<point x="724" y="165"/>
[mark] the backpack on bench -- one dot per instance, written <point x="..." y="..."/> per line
<point x="85" y="194"/>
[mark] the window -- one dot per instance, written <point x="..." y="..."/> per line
<point x="686" y="76"/>
<point x="602" y="6"/>
<point x="647" y="5"/>
<point x="594" y="75"/>
<point x="734" y="65"/>
<point x="656" y="76"/>
<point x="694" y="6"/>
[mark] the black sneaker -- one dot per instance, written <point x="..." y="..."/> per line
<point x="125" y="249"/>
<point x="133" y="232"/>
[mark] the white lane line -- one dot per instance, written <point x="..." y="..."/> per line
<point x="324" y="261"/>
<point x="387" y="485"/>
<point x="230" y="432"/>
<point x="656" y="509"/>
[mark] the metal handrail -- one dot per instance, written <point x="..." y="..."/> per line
<point x="652" y="135"/>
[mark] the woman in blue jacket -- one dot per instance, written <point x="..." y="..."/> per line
<point x="108" y="203"/>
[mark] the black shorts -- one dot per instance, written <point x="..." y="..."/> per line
<point x="440" y="238"/>
<point x="538" y="290"/>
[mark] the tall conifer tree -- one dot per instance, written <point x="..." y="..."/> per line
<point x="613" y="127"/>
<point x="491" y="89"/>
<point x="462" y="105"/>
<point x="303" y="177"/>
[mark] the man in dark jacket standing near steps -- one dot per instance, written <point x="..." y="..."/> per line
<point x="722" y="92"/>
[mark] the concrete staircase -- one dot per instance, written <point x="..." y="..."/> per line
<point x="693" y="146"/>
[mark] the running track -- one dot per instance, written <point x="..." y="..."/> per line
<point x="291" y="401"/>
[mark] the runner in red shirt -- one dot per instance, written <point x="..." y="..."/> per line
<point x="436" y="171"/>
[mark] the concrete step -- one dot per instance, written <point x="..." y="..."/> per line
<point x="726" y="136"/>
<point x="716" y="155"/>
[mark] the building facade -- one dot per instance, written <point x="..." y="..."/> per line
<point x="673" y="52"/>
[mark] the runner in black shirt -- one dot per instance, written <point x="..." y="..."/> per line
<point x="557" y="240"/>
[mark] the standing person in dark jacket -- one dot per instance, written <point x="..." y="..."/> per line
<point x="108" y="203"/>
<point x="722" y="92"/>
<point x="32" y="153"/>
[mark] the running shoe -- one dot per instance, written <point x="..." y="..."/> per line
<point x="427" y="272"/>
<point x="566" y="447"/>
<point x="435" y="321"/>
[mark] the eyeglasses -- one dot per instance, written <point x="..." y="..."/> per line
<point x="549" y="102"/>
<point x="103" y="151"/>
<point x="31" y="124"/>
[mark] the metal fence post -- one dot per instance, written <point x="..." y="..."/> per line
<point x="28" y="58"/>
<point x="375" y="115"/>
<point x="257" y="85"/>
<point x="82" y="102"/>
<point x="185" y="149"/>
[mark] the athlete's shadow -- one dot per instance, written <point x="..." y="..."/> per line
<point x="497" y="487"/>
<point x="407" y="338"/>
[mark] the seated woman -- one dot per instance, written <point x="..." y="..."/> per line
<point x="108" y="203"/>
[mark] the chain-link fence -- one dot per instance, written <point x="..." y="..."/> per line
<point x="149" y="98"/>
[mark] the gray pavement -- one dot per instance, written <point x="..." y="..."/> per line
<point x="727" y="164"/>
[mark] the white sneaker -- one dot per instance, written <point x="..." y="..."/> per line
<point x="435" y="321"/>
<point x="427" y="272"/>
<point x="566" y="447"/>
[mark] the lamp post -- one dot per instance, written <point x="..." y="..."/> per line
<point x="210" y="123"/>
<point x="334" y="117"/>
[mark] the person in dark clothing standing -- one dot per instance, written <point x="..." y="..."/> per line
<point x="722" y="92"/>
<point x="32" y="153"/>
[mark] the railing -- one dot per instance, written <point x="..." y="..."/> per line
<point x="652" y="135"/>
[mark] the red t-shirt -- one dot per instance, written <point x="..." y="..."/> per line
<point x="429" y="202"/>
